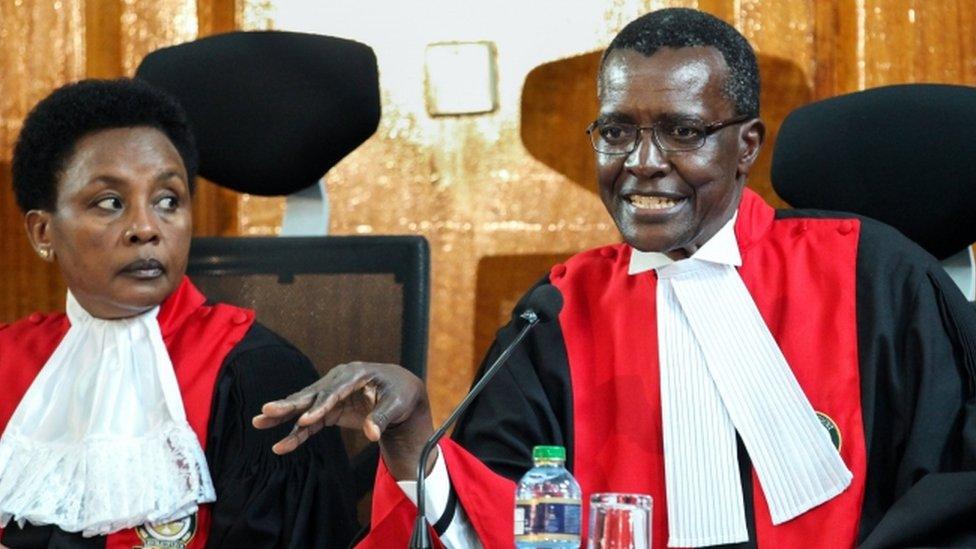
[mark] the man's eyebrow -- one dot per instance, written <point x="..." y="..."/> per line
<point x="680" y="117"/>
<point x="614" y="117"/>
<point x="666" y="117"/>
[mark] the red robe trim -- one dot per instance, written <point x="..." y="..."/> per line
<point x="804" y="289"/>
<point x="487" y="498"/>
<point x="198" y="338"/>
<point x="801" y="274"/>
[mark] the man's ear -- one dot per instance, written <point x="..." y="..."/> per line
<point x="751" y="136"/>
<point x="38" y="225"/>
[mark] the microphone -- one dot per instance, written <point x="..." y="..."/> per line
<point x="542" y="305"/>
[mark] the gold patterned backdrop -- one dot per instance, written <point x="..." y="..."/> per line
<point x="501" y="196"/>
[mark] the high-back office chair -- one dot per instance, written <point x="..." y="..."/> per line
<point x="904" y="155"/>
<point x="272" y="112"/>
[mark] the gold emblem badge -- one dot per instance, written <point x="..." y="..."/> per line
<point x="168" y="535"/>
<point x="831" y="426"/>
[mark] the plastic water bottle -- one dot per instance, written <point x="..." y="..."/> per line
<point x="548" y="503"/>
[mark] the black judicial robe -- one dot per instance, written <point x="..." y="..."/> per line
<point x="879" y="338"/>
<point x="226" y="366"/>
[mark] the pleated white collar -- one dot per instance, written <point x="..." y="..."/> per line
<point x="100" y="441"/>
<point x="722" y="372"/>
<point x="723" y="248"/>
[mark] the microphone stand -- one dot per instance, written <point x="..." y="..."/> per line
<point x="420" y="539"/>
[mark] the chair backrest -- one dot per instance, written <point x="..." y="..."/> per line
<point x="905" y="155"/>
<point x="337" y="298"/>
<point x="272" y="111"/>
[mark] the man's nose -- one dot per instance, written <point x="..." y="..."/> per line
<point x="143" y="226"/>
<point x="647" y="159"/>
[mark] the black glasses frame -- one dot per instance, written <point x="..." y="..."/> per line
<point x="708" y="129"/>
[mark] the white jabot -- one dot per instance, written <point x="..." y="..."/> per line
<point x="100" y="441"/>
<point x="722" y="372"/>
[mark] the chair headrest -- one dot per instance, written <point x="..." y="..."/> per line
<point x="272" y="111"/>
<point x="905" y="155"/>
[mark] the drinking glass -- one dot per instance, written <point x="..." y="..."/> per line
<point x="620" y="521"/>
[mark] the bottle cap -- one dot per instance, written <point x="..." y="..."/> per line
<point x="549" y="453"/>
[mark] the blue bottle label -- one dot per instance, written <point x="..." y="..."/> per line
<point x="550" y="519"/>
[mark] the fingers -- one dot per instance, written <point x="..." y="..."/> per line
<point x="310" y="399"/>
<point x="296" y="438"/>
<point x="276" y="412"/>
<point x="365" y="395"/>
<point x="293" y="403"/>
<point x="380" y="417"/>
<point x="372" y="430"/>
<point x="325" y="402"/>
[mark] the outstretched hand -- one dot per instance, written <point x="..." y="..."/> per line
<point x="384" y="400"/>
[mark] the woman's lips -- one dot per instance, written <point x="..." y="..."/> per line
<point x="144" y="269"/>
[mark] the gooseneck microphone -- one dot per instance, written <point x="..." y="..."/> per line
<point x="542" y="305"/>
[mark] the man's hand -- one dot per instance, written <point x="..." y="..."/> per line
<point x="384" y="400"/>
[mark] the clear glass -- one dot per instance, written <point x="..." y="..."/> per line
<point x="620" y="521"/>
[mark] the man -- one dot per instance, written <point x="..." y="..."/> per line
<point x="774" y="379"/>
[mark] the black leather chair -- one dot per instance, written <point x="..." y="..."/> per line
<point x="904" y="155"/>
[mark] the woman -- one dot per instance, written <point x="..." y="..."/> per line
<point x="126" y="420"/>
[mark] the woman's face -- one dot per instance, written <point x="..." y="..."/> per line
<point x="121" y="228"/>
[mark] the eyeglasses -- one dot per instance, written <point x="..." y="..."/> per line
<point x="668" y="135"/>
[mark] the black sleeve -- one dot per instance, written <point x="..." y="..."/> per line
<point x="47" y="537"/>
<point x="263" y="500"/>
<point x="918" y="356"/>
<point x="528" y="403"/>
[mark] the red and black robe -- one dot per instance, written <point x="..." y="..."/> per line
<point x="226" y="366"/>
<point x="877" y="335"/>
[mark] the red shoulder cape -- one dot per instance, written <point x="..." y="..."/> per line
<point x="197" y="336"/>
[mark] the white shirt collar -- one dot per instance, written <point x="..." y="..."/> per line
<point x="723" y="248"/>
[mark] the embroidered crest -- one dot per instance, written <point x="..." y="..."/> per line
<point x="831" y="426"/>
<point x="168" y="535"/>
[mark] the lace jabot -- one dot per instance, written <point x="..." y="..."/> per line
<point x="100" y="441"/>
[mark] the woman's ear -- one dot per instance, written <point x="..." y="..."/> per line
<point x="751" y="136"/>
<point x="38" y="225"/>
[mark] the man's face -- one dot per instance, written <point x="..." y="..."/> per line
<point x="121" y="228"/>
<point x="672" y="202"/>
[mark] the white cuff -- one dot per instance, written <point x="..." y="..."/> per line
<point x="437" y="491"/>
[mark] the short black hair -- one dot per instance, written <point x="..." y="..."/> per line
<point x="51" y="130"/>
<point x="683" y="28"/>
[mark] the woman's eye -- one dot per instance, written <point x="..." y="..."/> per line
<point x="111" y="203"/>
<point x="168" y="203"/>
